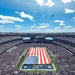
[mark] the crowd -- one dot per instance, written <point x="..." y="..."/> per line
<point x="8" y="45"/>
<point x="8" y="38"/>
<point x="68" y="47"/>
<point x="70" y="39"/>
<point x="9" y="59"/>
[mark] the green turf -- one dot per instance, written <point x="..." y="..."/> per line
<point x="53" y="60"/>
<point x="24" y="55"/>
<point x="22" y="58"/>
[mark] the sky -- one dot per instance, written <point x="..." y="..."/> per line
<point x="37" y="16"/>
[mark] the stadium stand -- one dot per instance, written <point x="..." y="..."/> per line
<point x="11" y="50"/>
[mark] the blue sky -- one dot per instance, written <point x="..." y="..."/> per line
<point x="45" y="16"/>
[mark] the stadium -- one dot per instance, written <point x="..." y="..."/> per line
<point x="37" y="37"/>
<point x="36" y="51"/>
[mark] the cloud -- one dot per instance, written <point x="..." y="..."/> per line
<point x="18" y="26"/>
<point x="69" y="26"/>
<point x="60" y="21"/>
<point x="74" y="18"/>
<point x="9" y="19"/>
<point x="1" y="27"/>
<point x="41" y="25"/>
<point x="66" y="27"/>
<point x="45" y="26"/>
<point x="24" y="15"/>
<point x="33" y="26"/>
<point x="57" y="28"/>
<point x="40" y="2"/>
<point x="66" y="1"/>
<point x="48" y="24"/>
<point x="6" y="21"/>
<point x="69" y="11"/>
<point x="49" y="3"/>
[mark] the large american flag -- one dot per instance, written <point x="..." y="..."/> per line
<point x="41" y="53"/>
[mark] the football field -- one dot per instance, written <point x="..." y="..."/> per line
<point x="37" y="58"/>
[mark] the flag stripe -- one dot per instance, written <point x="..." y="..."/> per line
<point x="43" y="52"/>
<point x="31" y="53"/>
